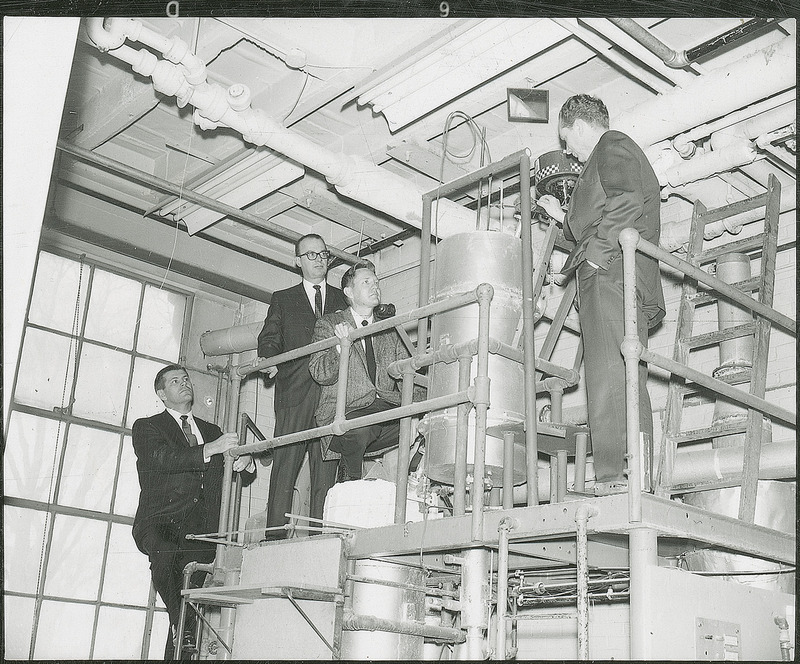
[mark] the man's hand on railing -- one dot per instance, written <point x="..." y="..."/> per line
<point x="244" y="462"/>
<point x="341" y="330"/>
<point x="270" y="371"/>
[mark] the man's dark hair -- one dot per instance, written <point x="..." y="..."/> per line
<point x="350" y="275"/>
<point x="159" y="383"/>
<point x="583" y="107"/>
<point x="310" y="236"/>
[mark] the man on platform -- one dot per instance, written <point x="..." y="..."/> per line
<point x="180" y="466"/>
<point x="289" y="325"/>
<point x="616" y="189"/>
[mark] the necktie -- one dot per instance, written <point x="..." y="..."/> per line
<point x="318" y="301"/>
<point x="187" y="430"/>
<point x="370" y="352"/>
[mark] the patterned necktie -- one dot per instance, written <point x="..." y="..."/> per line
<point x="187" y="430"/>
<point x="318" y="301"/>
<point x="370" y="352"/>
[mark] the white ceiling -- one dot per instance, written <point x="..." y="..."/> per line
<point x="376" y="89"/>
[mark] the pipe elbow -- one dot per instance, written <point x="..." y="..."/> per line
<point x="677" y="60"/>
<point x="106" y="34"/>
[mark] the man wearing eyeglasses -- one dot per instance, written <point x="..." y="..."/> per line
<point x="290" y="322"/>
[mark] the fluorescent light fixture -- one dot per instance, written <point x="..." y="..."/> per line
<point x="528" y="105"/>
<point x="480" y="53"/>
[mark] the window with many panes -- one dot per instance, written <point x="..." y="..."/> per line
<point x="75" y="586"/>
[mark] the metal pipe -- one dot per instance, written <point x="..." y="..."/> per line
<point x="678" y="59"/>
<point x="561" y="474"/>
<point x="719" y="387"/>
<point x="777" y="461"/>
<point x="404" y="451"/>
<point x="504" y="529"/>
<point x="352" y="176"/>
<point x="553" y="480"/>
<point x="705" y="278"/>
<point x="387" y="323"/>
<point x="462" y="438"/>
<point x="424" y="272"/>
<point x="192" y="196"/>
<point x="508" y="469"/>
<point x="581" y="445"/>
<point x="631" y="351"/>
<point x="481" y="401"/>
<point x="768" y="71"/>
<point x="582" y="514"/>
<point x="339" y="428"/>
<point x="191" y="567"/>
<point x="341" y="386"/>
<point x="643" y="551"/>
<point x="352" y="622"/>
<point x="475" y="600"/>
<point x="528" y="312"/>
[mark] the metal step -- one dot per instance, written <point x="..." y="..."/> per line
<point x="738" y="207"/>
<point x="739" y="246"/>
<point x="706" y="297"/>
<point x="711" y="338"/>
<point x="709" y="432"/>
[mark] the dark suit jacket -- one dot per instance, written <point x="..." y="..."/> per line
<point x="289" y="325"/>
<point x="617" y="189"/>
<point x="324" y="368"/>
<point x="171" y="474"/>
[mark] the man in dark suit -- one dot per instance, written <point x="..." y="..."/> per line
<point x="180" y="466"/>
<point x="616" y="189"/>
<point x="370" y="389"/>
<point x="289" y="325"/>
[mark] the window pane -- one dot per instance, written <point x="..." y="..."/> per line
<point x="46" y="358"/>
<point x="75" y="555"/>
<point x="127" y="579"/>
<point x="127" y="498"/>
<point x="64" y="631"/>
<point x="113" y="308"/>
<point x="18" y="623"/>
<point x="30" y="457"/>
<point x="55" y="291"/>
<point x="144" y="401"/>
<point x="102" y="383"/>
<point x="161" y="324"/>
<point x="22" y="548"/>
<point x="90" y="462"/>
<point x="119" y="634"/>
<point x="158" y="635"/>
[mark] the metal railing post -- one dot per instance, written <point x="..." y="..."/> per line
<point x="481" y="401"/>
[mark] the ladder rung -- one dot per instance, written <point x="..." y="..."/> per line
<point x="715" y="337"/>
<point x="734" y="208"/>
<point x="746" y="286"/>
<point x="746" y="244"/>
<point x="709" y="432"/>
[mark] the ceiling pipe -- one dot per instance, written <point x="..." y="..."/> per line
<point x="766" y="72"/>
<point x="352" y="176"/>
<point x="624" y="41"/>
<point x="678" y="59"/>
<point x="684" y="143"/>
<point x="712" y="162"/>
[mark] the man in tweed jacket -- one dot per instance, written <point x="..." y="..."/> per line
<point x="370" y="389"/>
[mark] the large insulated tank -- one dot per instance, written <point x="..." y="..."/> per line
<point x="463" y="262"/>
<point x="775" y="508"/>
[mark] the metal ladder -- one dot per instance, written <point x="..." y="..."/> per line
<point x="766" y="243"/>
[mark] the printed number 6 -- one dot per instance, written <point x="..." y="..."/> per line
<point x="444" y="10"/>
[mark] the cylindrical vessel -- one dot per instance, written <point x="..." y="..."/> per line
<point x="463" y="262"/>
<point x="775" y="508"/>
<point x="389" y="602"/>
<point x="734" y="354"/>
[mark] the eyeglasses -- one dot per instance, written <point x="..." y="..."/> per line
<point x="313" y="255"/>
